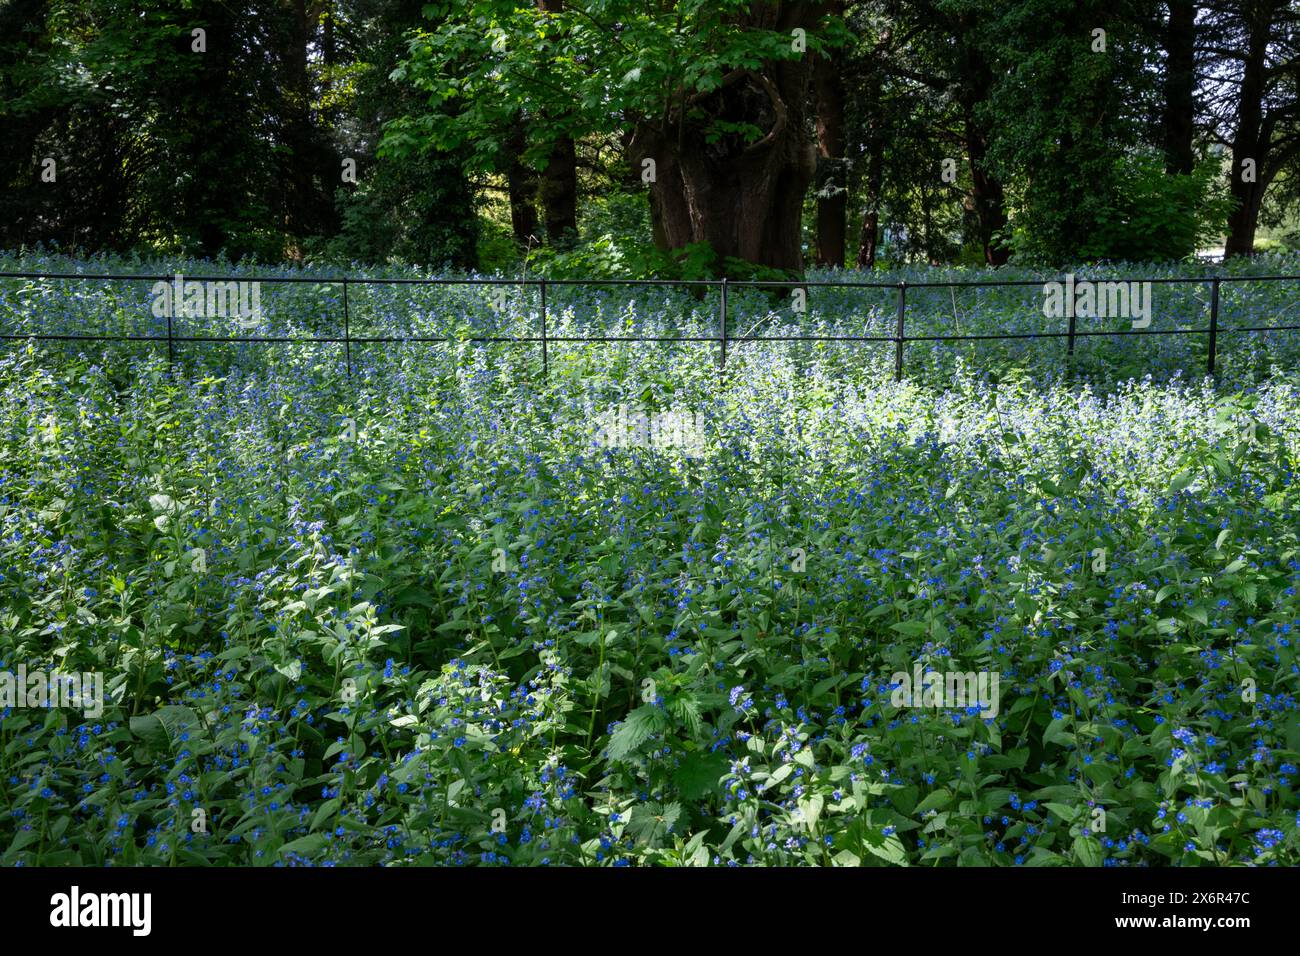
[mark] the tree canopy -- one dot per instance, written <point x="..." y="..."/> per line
<point x="669" y="137"/>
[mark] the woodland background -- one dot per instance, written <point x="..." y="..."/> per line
<point x="782" y="134"/>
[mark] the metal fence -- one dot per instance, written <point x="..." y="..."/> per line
<point x="900" y="338"/>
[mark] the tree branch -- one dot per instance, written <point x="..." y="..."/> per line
<point x="778" y="105"/>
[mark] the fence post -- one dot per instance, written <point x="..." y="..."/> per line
<point x="1214" y="321"/>
<point x="724" y="323"/>
<point x="171" y="352"/>
<point x="546" y="367"/>
<point x="347" y="329"/>
<point x="899" y="338"/>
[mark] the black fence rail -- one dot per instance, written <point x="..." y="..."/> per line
<point x="543" y="339"/>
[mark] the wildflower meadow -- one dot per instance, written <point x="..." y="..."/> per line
<point x="433" y="603"/>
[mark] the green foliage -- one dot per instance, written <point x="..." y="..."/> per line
<point x="159" y="146"/>
<point x="613" y="257"/>
<point x="1064" y="113"/>
<point x="1269" y="245"/>
<point x="413" y="211"/>
<point x="1152" y="216"/>
<point x="609" y="257"/>
<point x="587" y="69"/>
<point x="419" y="208"/>
<point x="237" y="150"/>
<point x="349" y="676"/>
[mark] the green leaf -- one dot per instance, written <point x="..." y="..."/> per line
<point x="325" y="811"/>
<point x="306" y="846"/>
<point x="1057" y="734"/>
<point x="888" y="848"/>
<point x="1087" y="850"/>
<point x="650" y="823"/>
<point x="642" y="724"/>
<point x="1181" y="481"/>
<point x="778" y="775"/>
<point x="1066" y="812"/>
<point x="933" y="801"/>
<point x="699" y="774"/>
<point x="810" y="809"/>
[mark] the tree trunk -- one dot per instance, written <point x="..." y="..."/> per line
<point x="521" y="183"/>
<point x="1247" y="144"/>
<point x="987" y="197"/>
<point x="629" y="177"/>
<point x="560" y="177"/>
<point x="927" y="222"/>
<point x="867" y="237"/>
<point x="975" y="87"/>
<point x="743" y="197"/>
<point x="307" y="162"/>
<point x="1180" y="86"/>
<point x="24" y="26"/>
<point x="560" y="191"/>
<point x="832" y="179"/>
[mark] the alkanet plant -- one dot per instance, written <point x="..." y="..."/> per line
<point x="464" y="631"/>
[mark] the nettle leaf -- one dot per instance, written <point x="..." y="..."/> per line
<point x="700" y="774"/>
<point x="651" y="823"/>
<point x="165" y="725"/>
<point x="687" y="710"/>
<point x="640" y="725"/>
